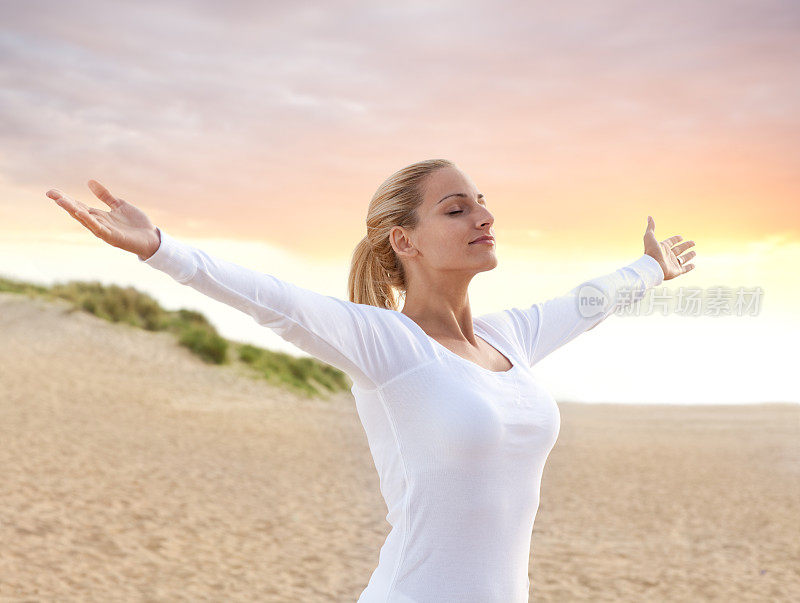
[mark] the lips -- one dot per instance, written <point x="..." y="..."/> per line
<point x="483" y="238"/>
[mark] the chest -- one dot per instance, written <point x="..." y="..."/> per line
<point x="452" y="411"/>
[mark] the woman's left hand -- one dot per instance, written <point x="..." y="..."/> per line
<point x="668" y="252"/>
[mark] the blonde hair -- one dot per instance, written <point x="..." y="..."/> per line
<point x="375" y="270"/>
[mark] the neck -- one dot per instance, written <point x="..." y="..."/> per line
<point x="441" y="308"/>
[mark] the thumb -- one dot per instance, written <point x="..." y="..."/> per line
<point x="104" y="195"/>
<point x="651" y="225"/>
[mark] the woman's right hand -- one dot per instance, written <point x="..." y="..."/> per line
<point x="125" y="226"/>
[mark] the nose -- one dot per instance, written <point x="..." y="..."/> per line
<point x="486" y="218"/>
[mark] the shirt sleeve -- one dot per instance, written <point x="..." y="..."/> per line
<point x="346" y="335"/>
<point x="545" y="326"/>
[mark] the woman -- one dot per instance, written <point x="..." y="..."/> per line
<point x="458" y="427"/>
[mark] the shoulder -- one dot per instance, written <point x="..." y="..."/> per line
<point x="512" y="322"/>
<point x="389" y="343"/>
<point x="515" y="327"/>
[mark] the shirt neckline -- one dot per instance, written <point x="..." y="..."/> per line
<point x="489" y="341"/>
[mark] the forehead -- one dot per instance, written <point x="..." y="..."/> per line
<point x="446" y="181"/>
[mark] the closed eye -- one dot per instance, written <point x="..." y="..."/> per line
<point x="452" y="213"/>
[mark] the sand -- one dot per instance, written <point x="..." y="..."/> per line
<point x="132" y="471"/>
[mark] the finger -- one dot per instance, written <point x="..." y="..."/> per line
<point x="686" y="257"/>
<point x="102" y="218"/>
<point x="56" y="195"/>
<point x="89" y="221"/>
<point x="688" y="267"/>
<point x="651" y="224"/>
<point x="672" y="240"/>
<point x="103" y="194"/>
<point x="66" y="202"/>
<point x="679" y="249"/>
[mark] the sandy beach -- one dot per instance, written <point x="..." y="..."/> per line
<point x="132" y="471"/>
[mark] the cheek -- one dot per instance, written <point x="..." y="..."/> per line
<point x="445" y="239"/>
<point x="451" y="240"/>
<point x="435" y="238"/>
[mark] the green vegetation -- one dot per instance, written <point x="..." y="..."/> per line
<point x="306" y="376"/>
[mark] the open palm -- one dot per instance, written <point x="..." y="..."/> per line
<point x="668" y="252"/>
<point x="125" y="226"/>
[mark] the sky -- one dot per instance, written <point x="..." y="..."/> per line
<point x="260" y="131"/>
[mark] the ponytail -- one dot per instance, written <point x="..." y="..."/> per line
<point x="369" y="283"/>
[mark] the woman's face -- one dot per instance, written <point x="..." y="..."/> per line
<point x="453" y="214"/>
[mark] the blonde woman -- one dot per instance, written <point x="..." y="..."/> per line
<point x="458" y="427"/>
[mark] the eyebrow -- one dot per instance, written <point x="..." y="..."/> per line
<point x="480" y="196"/>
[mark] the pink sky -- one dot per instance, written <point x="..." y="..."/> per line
<point x="277" y="123"/>
<point x="236" y="123"/>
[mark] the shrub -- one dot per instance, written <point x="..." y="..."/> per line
<point x="208" y="345"/>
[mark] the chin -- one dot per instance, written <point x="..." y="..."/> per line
<point x="490" y="265"/>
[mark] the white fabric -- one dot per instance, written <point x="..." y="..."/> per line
<point x="459" y="448"/>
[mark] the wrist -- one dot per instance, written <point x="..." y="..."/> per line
<point x="153" y="246"/>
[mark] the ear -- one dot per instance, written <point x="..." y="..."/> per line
<point x="401" y="242"/>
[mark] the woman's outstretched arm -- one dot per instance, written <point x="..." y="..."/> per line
<point x="349" y="336"/>
<point x="550" y="324"/>
<point x="334" y="330"/>
<point x="545" y="326"/>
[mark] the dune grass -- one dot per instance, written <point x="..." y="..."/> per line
<point x="308" y="377"/>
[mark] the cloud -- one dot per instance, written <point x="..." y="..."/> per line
<point x="230" y="102"/>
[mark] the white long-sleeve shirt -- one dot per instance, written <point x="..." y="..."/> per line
<point x="459" y="448"/>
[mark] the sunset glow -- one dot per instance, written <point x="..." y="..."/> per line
<point x="260" y="132"/>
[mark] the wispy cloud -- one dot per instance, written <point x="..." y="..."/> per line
<point x="240" y="114"/>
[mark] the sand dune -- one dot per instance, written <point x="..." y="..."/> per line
<point x="131" y="471"/>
